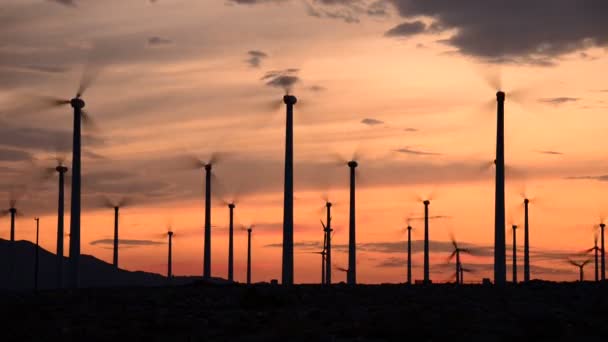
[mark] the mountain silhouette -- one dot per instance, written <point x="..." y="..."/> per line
<point x="93" y="272"/>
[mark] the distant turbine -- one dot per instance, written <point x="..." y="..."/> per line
<point x="231" y="207"/>
<point x="596" y="250"/>
<point x="328" y="230"/>
<point x="603" y="269"/>
<point x="526" y="243"/>
<point x="500" y="265"/>
<point x="456" y="253"/>
<point x="170" y="256"/>
<point x="426" y="203"/>
<point x="249" y="255"/>
<point x="61" y="169"/>
<point x="514" y="228"/>
<point x="409" y="254"/>
<point x="287" y="262"/>
<point x="352" y="245"/>
<point x="36" y="260"/>
<point x="580" y="266"/>
<point x="110" y="204"/>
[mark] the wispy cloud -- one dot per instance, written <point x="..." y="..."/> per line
<point x="549" y="152"/>
<point x="372" y="122"/>
<point x="556" y="101"/>
<point x="284" y="79"/>
<point x="130" y="243"/>
<point x="409" y="150"/>
<point x="601" y="178"/>
<point x="158" y="41"/>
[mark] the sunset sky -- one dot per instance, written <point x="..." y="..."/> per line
<point x="408" y="85"/>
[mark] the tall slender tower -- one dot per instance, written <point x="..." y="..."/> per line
<point x="170" y="256"/>
<point x="603" y="270"/>
<point x="37" y="254"/>
<point x="115" y="258"/>
<point x="249" y="256"/>
<point x="74" y="258"/>
<point x="596" y="257"/>
<point x="287" y="263"/>
<point x="427" y="279"/>
<point x="500" y="265"/>
<point x="351" y="278"/>
<point x="231" y="207"/>
<point x="409" y="255"/>
<point x="526" y="243"/>
<point x="13" y="213"/>
<point x="207" y="244"/>
<point x="328" y="231"/>
<point x="60" y="231"/>
<point x="514" y="254"/>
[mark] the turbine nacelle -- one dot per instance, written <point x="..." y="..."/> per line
<point x="61" y="169"/>
<point x="526" y="201"/>
<point x="12" y="210"/>
<point x="77" y="102"/>
<point x="352" y="164"/>
<point x="426" y="202"/>
<point x="170" y="233"/>
<point x="500" y="96"/>
<point x="231" y="205"/>
<point x="290" y="100"/>
<point x="328" y="204"/>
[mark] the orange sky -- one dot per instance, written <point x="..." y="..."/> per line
<point x="191" y="90"/>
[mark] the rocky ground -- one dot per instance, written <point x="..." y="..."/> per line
<point x="540" y="311"/>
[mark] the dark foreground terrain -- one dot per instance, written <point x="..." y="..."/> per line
<point x="539" y="311"/>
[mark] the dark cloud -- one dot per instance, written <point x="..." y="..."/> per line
<point x="156" y="41"/>
<point x="14" y="155"/>
<point x="378" y="9"/>
<point x="408" y="150"/>
<point x="406" y="29"/>
<point x="284" y="79"/>
<point x="372" y="122"/>
<point x="516" y="31"/>
<point x="409" y="129"/>
<point x="67" y="3"/>
<point x="556" y="101"/>
<point x="130" y="243"/>
<point x="41" y="139"/>
<point x="255" y="58"/>
<point x="557" y="153"/>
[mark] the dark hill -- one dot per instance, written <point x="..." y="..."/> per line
<point x="93" y="272"/>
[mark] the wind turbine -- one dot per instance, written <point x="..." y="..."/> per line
<point x="287" y="262"/>
<point x="207" y="166"/>
<point x="514" y="229"/>
<point x="170" y="256"/>
<point x="231" y="207"/>
<point x="526" y="242"/>
<point x="603" y="269"/>
<point x="61" y="170"/>
<point x="327" y="245"/>
<point x="456" y="253"/>
<point x="426" y="241"/>
<point x="409" y="254"/>
<point x="80" y="117"/>
<point x="13" y="212"/>
<point x="36" y="260"/>
<point x="249" y="229"/>
<point x="595" y="249"/>
<point x="500" y="265"/>
<point x="115" y="205"/>
<point x="580" y="266"/>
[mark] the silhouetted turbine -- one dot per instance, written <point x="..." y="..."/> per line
<point x="580" y="266"/>
<point x="60" y="230"/>
<point x="287" y="262"/>
<point x="526" y="243"/>
<point x="352" y="246"/>
<point x="170" y="256"/>
<point x="603" y="269"/>
<point x="456" y="253"/>
<point x="595" y="249"/>
<point x="409" y="254"/>
<point x="514" y="228"/>
<point x="116" y="207"/>
<point x="327" y="229"/>
<point x="231" y="207"/>
<point x="37" y="260"/>
<point x="426" y="241"/>
<point x="249" y="255"/>
<point x="500" y="266"/>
